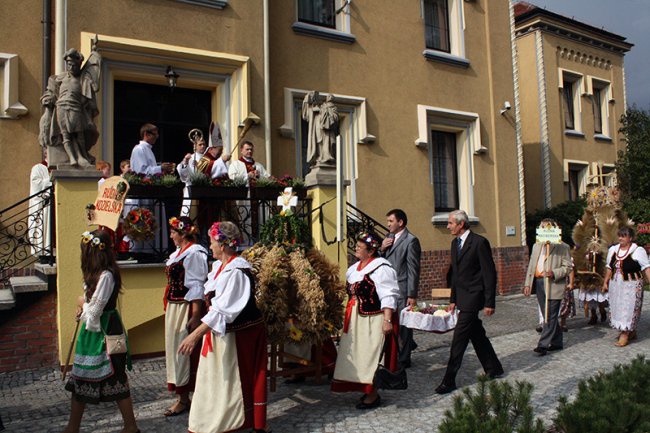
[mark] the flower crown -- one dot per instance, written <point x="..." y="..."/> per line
<point x="184" y="227"/>
<point x="94" y="241"/>
<point x="219" y="236"/>
<point x="368" y="239"/>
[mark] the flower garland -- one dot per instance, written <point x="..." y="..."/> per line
<point x="216" y="233"/>
<point x="140" y="224"/>
<point x="94" y="241"/>
<point x="185" y="227"/>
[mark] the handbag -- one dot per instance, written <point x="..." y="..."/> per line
<point x="386" y="379"/>
<point x="115" y="344"/>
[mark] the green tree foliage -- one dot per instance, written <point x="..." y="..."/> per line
<point x="566" y="214"/>
<point x="495" y="407"/>
<point x="616" y="402"/>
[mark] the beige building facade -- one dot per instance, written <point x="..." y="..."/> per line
<point x="572" y="95"/>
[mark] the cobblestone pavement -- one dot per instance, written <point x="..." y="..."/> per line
<point x="34" y="401"/>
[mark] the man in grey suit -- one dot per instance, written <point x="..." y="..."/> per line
<point x="402" y="250"/>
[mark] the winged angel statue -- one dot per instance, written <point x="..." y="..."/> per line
<point x="67" y="128"/>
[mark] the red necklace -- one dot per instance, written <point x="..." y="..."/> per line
<point x="622" y="257"/>
<point x="362" y="265"/>
<point x="223" y="265"/>
<point x="185" y="248"/>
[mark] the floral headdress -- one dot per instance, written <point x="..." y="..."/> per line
<point x="183" y="225"/>
<point x="369" y="239"/>
<point x="94" y="241"/>
<point x="219" y="236"/>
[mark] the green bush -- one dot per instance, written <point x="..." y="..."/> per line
<point x="566" y="214"/>
<point x="496" y="407"/>
<point x="615" y="402"/>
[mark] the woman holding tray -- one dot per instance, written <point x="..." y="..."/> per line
<point x="369" y="318"/>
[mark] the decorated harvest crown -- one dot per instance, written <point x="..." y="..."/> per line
<point x="369" y="239"/>
<point x="94" y="241"/>
<point x="219" y="236"/>
<point x="183" y="225"/>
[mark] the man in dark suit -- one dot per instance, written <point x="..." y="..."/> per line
<point x="472" y="278"/>
<point x="402" y="250"/>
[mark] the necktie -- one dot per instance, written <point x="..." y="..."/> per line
<point x="460" y="244"/>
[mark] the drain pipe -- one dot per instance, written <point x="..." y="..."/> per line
<point x="61" y="29"/>
<point x="267" y="91"/>
<point x="47" y="42"/>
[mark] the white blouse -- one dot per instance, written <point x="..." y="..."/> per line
<point x="196" y="268"/>
<point x="92" y="310"/>
<point x="232" y="290"/>
<point x="638" y="254"/>
<point x="384" y="277"/>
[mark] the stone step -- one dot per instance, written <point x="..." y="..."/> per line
<point x="7" y="299"/>
<point x="45" y="269"/>
<point x="28" y="284"/>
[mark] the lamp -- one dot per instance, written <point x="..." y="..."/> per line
<point x="172" y="77"/>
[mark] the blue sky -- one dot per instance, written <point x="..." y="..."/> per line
<point x="628" y="18"/>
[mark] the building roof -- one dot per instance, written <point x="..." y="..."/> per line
<point x="529" y="16"/>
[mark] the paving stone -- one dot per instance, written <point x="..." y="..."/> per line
<point x="34" y="401"/>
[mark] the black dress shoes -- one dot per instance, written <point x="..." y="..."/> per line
<point x="363" y="405"/>
<point x="540" y="351"/>
<point x="494" y="374"/>
<point x="445" y="389"/>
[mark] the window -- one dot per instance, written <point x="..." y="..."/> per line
<point x="445" y="171"/>
<point x="609" y="175"/>
<point x="317" y="12"/>
<point x="600" y="92"/>
<point x="443" y="31"/>
<point x="327" y="19"/>
<point x="452" y="138"/>
<point x="570" y="90"/>
<point x="575" y="177"/>
<point x="436" y="25"/>
<point x="10" y="107"/>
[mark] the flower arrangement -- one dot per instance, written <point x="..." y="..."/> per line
<point x="200" y="179"/>
<point x="603" y="196"/>
<point x="160" y="179"/>
<point x="281" y="182"/>
<point x="140" y="224"/>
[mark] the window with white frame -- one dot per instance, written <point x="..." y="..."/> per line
<point x="328" y="19"/>
<point x="452" y="138"/>
<point x="609" y="175"/>
<point x="575" y="178"/>
<point x="600" y="96"/>
<point x="10" y="106"/>
<point x="444" y="31"/>
<point x="570" y="90"/>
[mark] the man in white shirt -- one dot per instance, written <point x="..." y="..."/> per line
<point x="246" y="167"/>
<point x="186" y="168"/>
<point x="142" y="157"/>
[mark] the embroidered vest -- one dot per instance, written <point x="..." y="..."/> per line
<point x="366" y="294"/>
<point x="176" y="289"/>
<point x="630" y="268"/>
<point x="250" y="315"/>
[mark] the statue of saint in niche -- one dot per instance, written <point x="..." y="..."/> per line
<point x="322" y="118"/>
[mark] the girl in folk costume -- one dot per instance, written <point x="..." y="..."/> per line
<point x="369" y="318"/>
<point x="625" y="264"/>
<point x="97" y="376"/>
<point x="186" y="271"/>
<point x="231" y="381"/>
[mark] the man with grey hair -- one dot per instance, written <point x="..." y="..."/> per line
<point x="472" y="278"/>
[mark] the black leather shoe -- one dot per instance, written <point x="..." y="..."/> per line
<point x="552" y="348"/>
<point x="445" y="389"/>
<point x="363" y="405"/>
<point x="494" y="374"/>
<point x="540" y="351"/>
<point x="539" y="328"/>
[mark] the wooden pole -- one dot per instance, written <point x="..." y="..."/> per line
<point x="67" y="360"/>
<point x="547" y="281"/>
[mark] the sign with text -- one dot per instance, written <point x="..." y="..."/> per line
<point x="109" y="203"/>
<point x="552" y="235"/>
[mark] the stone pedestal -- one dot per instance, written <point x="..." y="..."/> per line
<point x="323" y="236"/>
<point x="323" y="175"/>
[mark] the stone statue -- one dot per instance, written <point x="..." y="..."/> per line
<point x="67" y="129"/>
<point x="323" y="120"/>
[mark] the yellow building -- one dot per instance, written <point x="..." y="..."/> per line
<point x="572" y="95"/>
<point x="425" y="90"/>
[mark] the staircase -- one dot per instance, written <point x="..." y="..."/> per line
<point x="358" y="221"/>
<point x="27" y="261"/>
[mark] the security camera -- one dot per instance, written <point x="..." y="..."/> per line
<point x="506" y="107"/>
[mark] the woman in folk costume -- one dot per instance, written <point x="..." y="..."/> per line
<point x="626" y="262"/>
<point x="230" y="390"/>
<point x="186" y="271"/>
<point x="369" y="318"/>
<point x="97" y="376"/>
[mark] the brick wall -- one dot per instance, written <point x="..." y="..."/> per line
<point x="28" y="333"/>
<point x="511" y="264"/>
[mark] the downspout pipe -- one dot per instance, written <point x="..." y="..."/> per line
<point x="267" y="91"/>
<point x="47" y="43"/>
